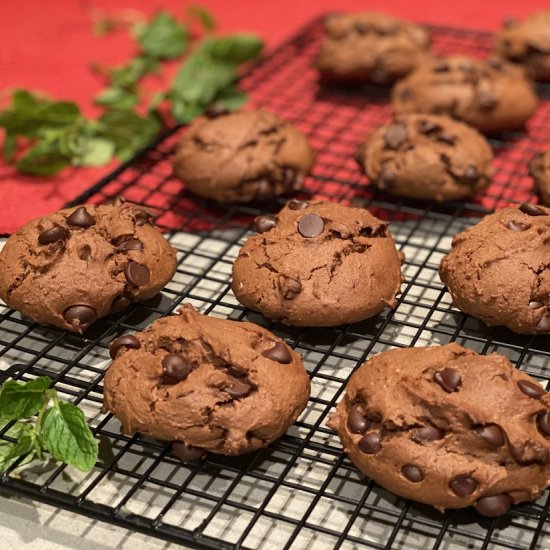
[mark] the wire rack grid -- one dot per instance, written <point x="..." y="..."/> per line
<point x="301" y="492"/>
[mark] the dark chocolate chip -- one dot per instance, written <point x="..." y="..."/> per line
<point x="81" y="218"/>
<point x="278" y="353"/>
<point x="176" y="368"/>
<point x="447" y="138"/>
<point x="531" y="389"/>
<point x="126" y="341"/>
<point x="543" y="423"/>
<point x="395" y="135"/>
<point x="295" y="204"/>
<point x="120" y="303"/>
<point x="264" y="190"/>
<point x="357" y="423"/>
<point x="535" y="305"/>
<point x="137" y="274"/>
<point x="56" y="233"/>
<point x="80" y="316"/>
<point x="493" y="506"/>
<point x="441" y="67"/>
<point x="463" y="485"/>
<point x="265" y="223"/>
<point x="531" y="209"/>
<point x="370" y="443"/>
<point x="543" y="325"/>
<point x="427" y="433"/>
<point x="361" y="27"/>
<point x="311" y="225"/>
<point x="448" y="379"/>
<point x="289" y="287"/>
<point x="238" y="389"/>
<point x="429" y="127"/>
<point x="471" y="174"/>
<point x="412" y="473"/>
<point x="289" y="177"/>
<point x="215" y="110"/>
<point x="517" y="226"/>
<point x="142" y="217"/>
<point x="386" y="178"/>
<point x="85" y="253"/>
<point x="186" y="452"/>
<point x="236" y="372"/>
<point x="492" y="435"/>
<point x="129" y="244"/>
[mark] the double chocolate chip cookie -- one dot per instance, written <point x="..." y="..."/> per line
<point x="498" y="270"/>
<point x="539" y="169"/>
<point x="370" y="47"/>
<point x="318" y="264"/>
<point x="427" y="157"/>
<point x="527" y="42"/>
<point x="492" y="95"/>
<point x="206" y="384"/>
<point x="241" y="157"/>
<point x="79" y="264"/>
<point x="448" y="427"/>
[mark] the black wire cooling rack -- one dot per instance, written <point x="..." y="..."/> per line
<point x="301" y="492"/>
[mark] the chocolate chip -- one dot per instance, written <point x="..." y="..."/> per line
<point x="85" y="253"/>
<point x="357" y="423"/>
<point x="493" y="506"/>
<point x="80" y="316"/>
<point x="543" y="423"/>
<point x="186" y="452"/>
<point x="492" y="435"/>
<point x="120" y="303"/>
<point x="215" y="110"/>
<point x="137" y="274"/>
<point x="278" y="353"/>
<point x="295" y="204"/>
<point x="444" y="137"/>
<point x="289" y="177"/>
<point x="361" y="27"/>
<point x="486" y="99"/>
<point x="126" y="341"/>
<point x="441" y="67"/>
<point x="543" y="325"/>
<point x="531" y="209"/>
<point x="386" y="178"/>
<point x="238" y="389"/>
<point x="429" y="127"/>
<point x="265" y="223"/>
<point x="370" y="443"/>
<point x="311" y="225"/>
<point x="142" y="217"/>
<point x="289" y="287"/>
<point x="448" y="379"/>
<point x="412" y="473"/>
<point x="463" y="485"/>
<point x="531" y="389"/>
<point x="129" y="244"/>
<point x="471" y="174"/>
<point x="264" y="190"/>
<point x="535" y="305"/>
<point x="176" y="368"/>
<point x="517" y="226"/>
<point x="427" y="433"/>
<point x="81" y="218"/>
<point x="56" y="233"/>
<point x="494" y="62"/>
<point x="395" y="135"/>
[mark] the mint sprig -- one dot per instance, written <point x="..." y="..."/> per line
<point x="60" y="428"/>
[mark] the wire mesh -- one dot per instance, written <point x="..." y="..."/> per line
<point x="302" y="491"/>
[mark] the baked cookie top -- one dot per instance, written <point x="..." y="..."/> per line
<point x="217" y="385"/>
<point x="539" y="170"/>
<point x="82" y="263"/>
<point x="245" y="156"/>
<point x="448" y="427"/>
<point x="497" y="270"/>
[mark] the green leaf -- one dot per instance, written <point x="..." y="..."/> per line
<point x="23" y="99"/>
<point x="204" y="17"/>
<point x="43" y="159"/>
<point x="163" y="37"/>
<point x="10" y="452"/>
<point x="186" y="112"/>
<point x="234" y="49"/>
<point x="231" y="98"/>
<point x="116" y="98"/>
<point x="66" y="435"/>
<point x="9" y="147"/>
<point x="104" y="26"/>
<point x="95" y="152"/>
<point x="22" y="399"/>
<point x="128" y="75"/>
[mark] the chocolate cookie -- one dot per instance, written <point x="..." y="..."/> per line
<point x="79" y="264"/>
<point x="244" y="156"/>
<point x="318" y="264"/>
<point x="527" y="42"/>
<point x="207" y="384"/>
<point x="491" y="95"/>
<point x="539" y="169"/>
<point x="427" y="157"/>
<point x="498" y="271"/>
<point x="370" y="47"/>
<point x="448" y="427"/>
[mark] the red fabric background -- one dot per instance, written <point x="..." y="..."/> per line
<point x="48" y="45"/>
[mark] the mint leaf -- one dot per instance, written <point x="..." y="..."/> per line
<point x="22" y="399"/>
<point x="10" y="452"/>
<point x="231" y="98"/>
<point x="10" y="146"/>
<point x="44" y="159"/>
<point x="234" y="49"/>
<point x="66" y="435"/>
<point x="116" y="98"/>
<point x="163" y="38"/>
<point x="95" y="152"/>
<point x="204" y="17"/>
<point x="128" y="75"/>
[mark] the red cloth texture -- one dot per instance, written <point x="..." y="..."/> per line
<point x="48" y="45"/>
